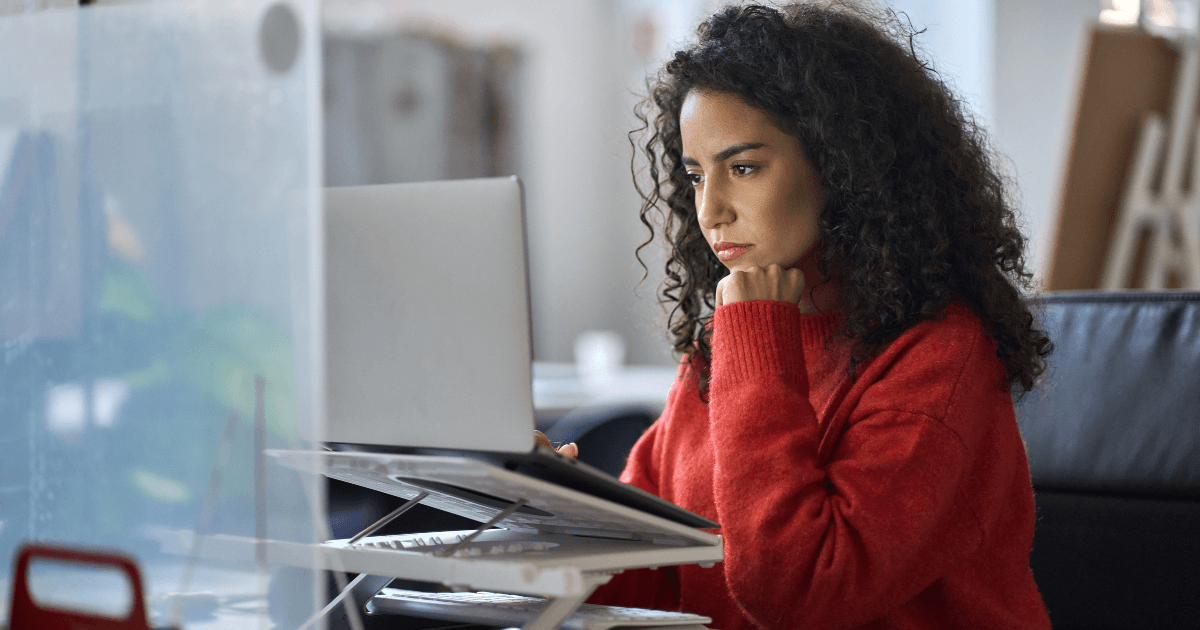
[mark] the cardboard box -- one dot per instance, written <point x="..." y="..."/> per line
<point x="1127" y="74"/>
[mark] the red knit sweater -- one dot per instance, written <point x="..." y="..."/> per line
<point x="900" y="500"/>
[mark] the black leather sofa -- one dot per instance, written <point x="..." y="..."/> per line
<point x="1113" y="441"/>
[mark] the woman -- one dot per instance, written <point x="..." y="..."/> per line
<point x="845" y="275"/>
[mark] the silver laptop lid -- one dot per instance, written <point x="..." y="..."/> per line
<point x="427" y="316"/>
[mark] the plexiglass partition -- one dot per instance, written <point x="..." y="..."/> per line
<point x="159" y="258"/>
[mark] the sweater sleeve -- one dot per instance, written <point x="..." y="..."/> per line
<point x="851" y="538"/>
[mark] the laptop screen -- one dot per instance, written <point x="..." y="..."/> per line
<point x="427" y="316"/>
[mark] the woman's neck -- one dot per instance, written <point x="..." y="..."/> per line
<point x="820" y="293"/>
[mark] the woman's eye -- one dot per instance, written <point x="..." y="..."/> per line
<point x="695" y="178"/>
<point x="742" y="169"/>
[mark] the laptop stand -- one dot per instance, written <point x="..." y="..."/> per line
<point x="534" y="537"/>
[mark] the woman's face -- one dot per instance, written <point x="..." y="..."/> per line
<point x="757" y="197"/>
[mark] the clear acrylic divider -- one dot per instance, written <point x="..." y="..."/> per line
<point x="159" y="288"/>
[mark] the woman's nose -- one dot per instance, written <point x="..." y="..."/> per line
<point x="712" y="206"/>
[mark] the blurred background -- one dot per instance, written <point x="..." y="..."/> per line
<point x="417" y="90"/>
<point x="160" y="167"/>
<point x="420" y="90"/>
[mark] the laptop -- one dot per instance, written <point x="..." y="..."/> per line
<point x="429" y="354"/>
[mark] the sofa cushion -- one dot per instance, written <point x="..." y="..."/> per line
<point x="1120" y="409"/>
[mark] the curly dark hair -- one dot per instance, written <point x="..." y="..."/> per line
<point x="915" y="214"/>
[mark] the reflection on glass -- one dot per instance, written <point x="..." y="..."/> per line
<point x="156" y="214"/>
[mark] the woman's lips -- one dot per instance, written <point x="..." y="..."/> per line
<point x="729" y="251"/>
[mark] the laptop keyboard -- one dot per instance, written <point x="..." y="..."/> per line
<point x="498" y="609"/>
<point x="436" y="544"/>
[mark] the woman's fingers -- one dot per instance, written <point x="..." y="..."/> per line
<point x="757" y="283"/>
<point x="570" y="450"/>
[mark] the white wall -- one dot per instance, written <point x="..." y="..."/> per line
<point x="959" y="40"/>
<point x="1017" y="64"/>
<point x="1040" y="45"/>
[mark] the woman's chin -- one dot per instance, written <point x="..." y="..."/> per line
<point x="809" y="257"/>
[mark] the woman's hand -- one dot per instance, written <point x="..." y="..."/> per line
<point x="757" y="283"/>
<point x="570" y="450"/>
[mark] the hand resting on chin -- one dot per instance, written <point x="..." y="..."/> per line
<point x="772" y="282"/>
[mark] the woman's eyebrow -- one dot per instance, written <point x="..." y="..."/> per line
<point x="736" y="149"/>
<point x="726" y="153"/>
